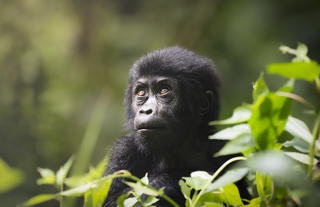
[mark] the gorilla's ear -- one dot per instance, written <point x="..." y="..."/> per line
<point x="206" y="102"/>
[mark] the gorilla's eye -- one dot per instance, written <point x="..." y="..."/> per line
<point x="164" y="91"/>
<point x="141" y="93"/>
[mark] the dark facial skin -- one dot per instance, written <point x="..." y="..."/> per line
<point x="155" y="104"/>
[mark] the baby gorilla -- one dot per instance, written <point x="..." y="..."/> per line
<point x="171" y="96"/>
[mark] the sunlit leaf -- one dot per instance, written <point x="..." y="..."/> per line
<point x="63" y="171"/>
<point x="269" y="116"/>
<point x="303" y="158"/>
<point x="259" y="88"/>
<point x="239" y="144"/>
<point x="47" y="176"/>
<point x="231" y="132"/>
<point x="9" y="177"/>
<point x="231" y="176"/>
<point x="39" y="199"/>
<point x="141" y="189"/>
<point x="232" y="195"/>
<point x="198" y="179"/>
<point x="185" y="189"/>
<point x="211" y="204"/>
<point x="240" y="114"/>
<point x="129" y="202"/>
<point x="145" y="179"/>
<point x="298" y="128"/>
<point x="298" y="144"/>
<point x="96" y="196"/>
<point x="264" y="185"/>
<point x="301" y="70"/>
<point x="150" y="200"/>
<point x="78" y="191"/>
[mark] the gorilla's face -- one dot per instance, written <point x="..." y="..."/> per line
<point x="155" y="105"/>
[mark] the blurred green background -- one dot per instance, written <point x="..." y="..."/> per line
<point x="62" y="60"/>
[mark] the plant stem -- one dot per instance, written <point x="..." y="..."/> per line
<point x="312" y="146"/>
<point x="214" y="177"/>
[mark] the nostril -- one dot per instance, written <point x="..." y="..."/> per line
<point x="148" y="111"/>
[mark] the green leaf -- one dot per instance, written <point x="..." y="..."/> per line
<point x="63" y="171"/>
<point x="47" y="176"/>
<point x="240" y="114"/>
<point x="130" y="202"/>
<point x="211" y="204"/>
<point x="239" y="144"/>
<point x="150" y="200"/>
<point x="231" y="176"/>
<point x="39" y="199"/>
<point x="298" y="144"/>
<point x="232" y="195"/>
<point x="121" y="200"/>
<point x="298" y="129"/>
<point x="198" y="179"/>
<point x="141" y="189"/>
<point x="185" y="189"/>
<point x="231" y="132"/>
<point x="300" y="70"/>
<point x="259" y="88"/>
<point x="145" y="179"/>
<point x="269" y="116"/>
<point x="9" y="177"/>
<point x="303" y="158"/>
<point x="95" y="197"/>
<point x="255" y="202"/>
<point x="80" y="190"/>
<point x="276" y="164"/>
<point x="264" y="185"/>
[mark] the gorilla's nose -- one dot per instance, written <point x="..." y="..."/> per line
<point x="146" y="111"/>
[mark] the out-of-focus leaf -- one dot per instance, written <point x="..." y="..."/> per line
<point x="47" y="176"/>
<point x="96" y="196"/>
<point x="240" y="114"/>
<point x="129" y="202"/>
<point x="269" y="116"/>
<point x="9" y="177"/>
<point x="278" y="165"/>
<point x="264" y="185"/>
<point x="255" y="202"/>
<point x="298" y="144"/>
<point x="232" y="195"/>
<point x="80" y="190"/>
<point x="121" y="200"/>
<point x="300" y="52"/>
<point x="239" y="144"/>
<point x="39" y="199"/>
<point x="145" y="179"/>
<point x="231" y="176"/>
<point x="303" y="158"/>
<point x="150" y="200"/>
<point x="231" y="132"/>
<point x="298" y="128"/>
<point x="211" y="204"/>
<point x="198" y="179"/>
<point x="259" y="88"/>
<point x="63" y="171"/>
<point x="301" y="70"/>
<point x="185" y="189"/>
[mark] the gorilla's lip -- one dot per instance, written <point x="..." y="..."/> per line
<point x="150" y="126"/>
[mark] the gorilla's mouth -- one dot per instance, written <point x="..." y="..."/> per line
<point x="150" y="126"/>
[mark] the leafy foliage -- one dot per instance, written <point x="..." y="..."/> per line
<point x="280" y="155"/>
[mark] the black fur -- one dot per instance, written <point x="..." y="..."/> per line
<point x="185" y="112"/>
